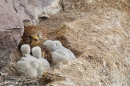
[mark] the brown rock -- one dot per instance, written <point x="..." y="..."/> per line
<point x="11" y="30"/>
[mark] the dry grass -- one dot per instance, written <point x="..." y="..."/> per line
<point x="100" y="38"/>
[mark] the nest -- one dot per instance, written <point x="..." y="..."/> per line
<point x="71" y="36"/>
<point x="89" y="33"/>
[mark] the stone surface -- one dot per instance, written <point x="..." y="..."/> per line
<point x="11" y="30"/>
<point x="32" y="10"/>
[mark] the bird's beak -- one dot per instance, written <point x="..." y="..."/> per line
<point x="36" y="38"/>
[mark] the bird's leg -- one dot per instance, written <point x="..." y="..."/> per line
<point x="43" y="52"/>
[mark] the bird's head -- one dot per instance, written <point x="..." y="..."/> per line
<point x="35" y="37"/>
<point x="25" y="49"/>
<point x="52" y="45"/>
<point x="36" y="51"/>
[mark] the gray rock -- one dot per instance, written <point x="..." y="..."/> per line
<point x="32" y="10"/>
<point x="11" y="30"/>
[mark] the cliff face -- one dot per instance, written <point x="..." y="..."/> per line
<point x="11" y="29"/>
<point x="32" y="10"/>
<point x="97" y="31"/>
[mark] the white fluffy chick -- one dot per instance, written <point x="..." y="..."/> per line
<point x="44" y="64"/>
<point x="28" y="64"/>
<point x="25" y="49"/>
<point x="26" y="69"/>
<point x="58" y="52"/>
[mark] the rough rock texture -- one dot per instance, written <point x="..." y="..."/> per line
<point x="100" y="39"/>
<point x="32" y="10"/>
<point x="11" y="29"/>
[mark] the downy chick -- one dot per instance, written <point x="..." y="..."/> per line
<point x="58" y="52"/>
<point x="44" y="64"/>
<point x="28" y="64"/>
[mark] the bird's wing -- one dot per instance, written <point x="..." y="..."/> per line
<point x="58" y="56"/>
<point x="22" y="66"/>
<point x="68" y="53"/>
<point x="71" y="54"/>
<point x="34" y="62"/>
<point x="45" y="63"/>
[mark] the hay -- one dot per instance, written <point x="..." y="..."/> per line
<point x="101" y="41"/>
<point x="90" y="32"/>
<point x="67" y="36"/>
<point x="83" y="33"/>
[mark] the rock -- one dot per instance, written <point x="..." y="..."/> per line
<point x="32" y="10"/>
<point x="11" y="30"/>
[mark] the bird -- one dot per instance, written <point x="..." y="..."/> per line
<point x="44" y="64"/>
<point x="58" y="52"/>
<point x="25" y="50"/>
<point x="34" y="35"/>
<point x="28" y="64"/>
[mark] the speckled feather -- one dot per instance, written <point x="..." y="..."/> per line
<point x="32" y="30"/>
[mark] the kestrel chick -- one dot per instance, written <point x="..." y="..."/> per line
<point x="28" y="64"/>
<point x="59" y="53"/>
<point x="44" y="64"/>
